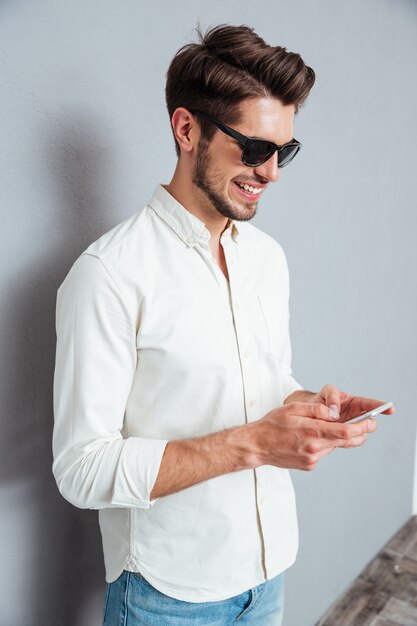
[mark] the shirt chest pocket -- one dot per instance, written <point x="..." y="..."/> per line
<point x="274" y="312"/>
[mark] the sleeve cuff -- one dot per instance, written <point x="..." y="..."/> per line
<point x="137" y="471"/>
<point x="289" y="385"/>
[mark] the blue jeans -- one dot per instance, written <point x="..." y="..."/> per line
<point x="132" y="601"/>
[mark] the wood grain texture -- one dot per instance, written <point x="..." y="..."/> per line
<point x="397" y="612"/>
<point x="385" y="593"/>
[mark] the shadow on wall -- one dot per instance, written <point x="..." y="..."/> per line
<point x="62" y="547"/>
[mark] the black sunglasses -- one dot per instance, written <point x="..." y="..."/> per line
<point x="256" y="151"/>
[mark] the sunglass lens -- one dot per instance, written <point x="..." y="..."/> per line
<point x="287" y="154"/>
<point x="257" y="152"/>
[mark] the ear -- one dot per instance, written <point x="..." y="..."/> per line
<point x="186" y="129"/>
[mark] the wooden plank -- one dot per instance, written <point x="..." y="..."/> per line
<point x="384" y="572"/>
<point x="358" y="606"/>
<point x="382" y="621"/>
<point x="385" y="594"/>
<point x="393" y="575"/>
<point x="409" y="565"/>
<point x="405" y="540"/>
<point x="399" y="613"/>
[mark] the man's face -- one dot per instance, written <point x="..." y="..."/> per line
<point x="218" y="169"/>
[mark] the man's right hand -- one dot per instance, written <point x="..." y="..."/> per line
<point x="299" y="434"/>
<point x="295" y="436"/>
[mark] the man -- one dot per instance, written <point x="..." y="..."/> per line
<point x="176" y="412"/>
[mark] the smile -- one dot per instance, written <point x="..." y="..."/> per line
<point x="249" y="190"/>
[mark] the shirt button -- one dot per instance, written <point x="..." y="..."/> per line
<point x="252" y="403"/>
<point x="246" y="355"/>
<point x="190" y="241"/>
<point x="236" y="305"/>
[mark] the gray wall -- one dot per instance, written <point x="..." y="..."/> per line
<point x="81" y="95"/>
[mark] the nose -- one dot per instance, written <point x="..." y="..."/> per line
<point x="269" y="169"/>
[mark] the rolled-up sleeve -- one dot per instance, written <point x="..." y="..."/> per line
<point x="94" y="466"/>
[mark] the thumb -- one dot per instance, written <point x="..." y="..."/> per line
<point x="315" y="410"/>
<point x="331" y="396"/>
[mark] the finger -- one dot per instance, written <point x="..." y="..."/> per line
<point x="331" y="395"/>
<point x="355" y="442"/>
<point x="325" y="452"/>
<point x="314" y="410"/>
<point x="377" y="403"/>
<point x="352" y="443"/>
<point x="341" y="433"/>
<point x="361" y="405"/>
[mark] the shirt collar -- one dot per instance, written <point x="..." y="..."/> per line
<point x="186" y="225"/>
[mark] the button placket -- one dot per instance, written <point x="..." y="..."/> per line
<point x="261" y="492"/>
<point x="245" y="342"/>
<point x="247" y="352"/>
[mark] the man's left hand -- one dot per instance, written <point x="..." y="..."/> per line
<point x="343" y="406"/>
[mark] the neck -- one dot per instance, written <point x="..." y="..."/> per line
<point x="196" y="202"/>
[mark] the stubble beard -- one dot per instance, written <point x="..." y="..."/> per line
<point x="207" y="184"/>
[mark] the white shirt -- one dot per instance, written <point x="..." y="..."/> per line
<point x="154" y="344"/>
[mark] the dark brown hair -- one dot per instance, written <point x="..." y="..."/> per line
<point x="227" y="65"/>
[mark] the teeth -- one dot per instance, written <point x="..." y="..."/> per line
<point x="246" y="187"/>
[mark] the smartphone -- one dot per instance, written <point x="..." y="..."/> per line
<point x="373" y="413"/>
